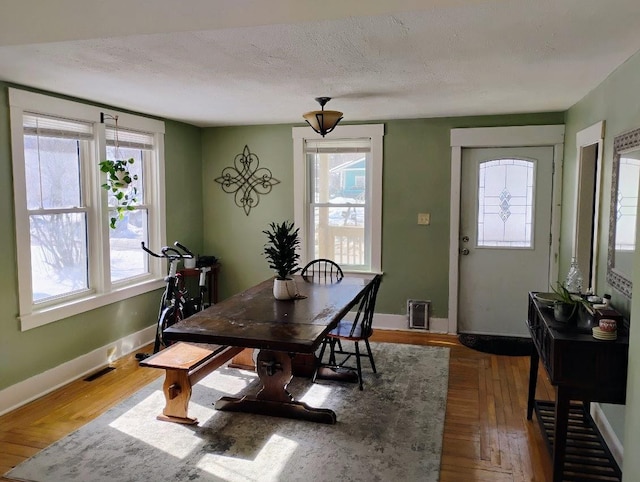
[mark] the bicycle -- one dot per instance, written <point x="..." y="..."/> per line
<point x="175" y="303"/>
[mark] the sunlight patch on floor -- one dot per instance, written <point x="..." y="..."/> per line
<point x="267" y="466"/>
<point x="317" y="395"/>
<point x="172" y="438"/>
<point x="233" y="383"/>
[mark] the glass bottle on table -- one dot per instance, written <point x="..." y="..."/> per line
<point x="574" y="279"/>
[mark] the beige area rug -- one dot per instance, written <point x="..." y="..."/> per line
<point x="391" y="431"/>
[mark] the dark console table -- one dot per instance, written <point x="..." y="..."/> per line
<point x="582" y="369"/>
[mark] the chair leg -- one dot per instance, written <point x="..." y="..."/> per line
<point x="319" y="361"/>
<point x="332" y="352"/>
<point x="358" y="365"/>
<point x="373" y="365"/>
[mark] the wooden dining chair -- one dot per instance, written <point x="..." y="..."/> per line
<point x="355" y="331"/>
<point x="322" y="270"/>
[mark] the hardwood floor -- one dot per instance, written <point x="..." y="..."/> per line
<point x="486" y="434"/>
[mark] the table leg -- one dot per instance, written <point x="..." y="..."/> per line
<point x="560" y="433"/>
<point x="274" y="370"/>
<point x="533" y="380"/>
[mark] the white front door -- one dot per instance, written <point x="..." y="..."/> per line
<point x="505" y="234"/>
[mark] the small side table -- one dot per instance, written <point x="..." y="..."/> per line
<point x="212" y="279"/>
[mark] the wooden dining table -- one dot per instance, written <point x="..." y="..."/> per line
<point x="279" y="329"/>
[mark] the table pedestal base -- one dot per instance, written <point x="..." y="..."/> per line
<point x="296" y="410"/>
<point x="274" y="370"/>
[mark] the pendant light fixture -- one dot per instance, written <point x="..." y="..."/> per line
<point x="323" y="121"/>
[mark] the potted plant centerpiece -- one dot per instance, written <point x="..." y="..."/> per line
<point x="565" y="307"/>
<point x="281" y="254"/>
<point x="118" y="183"/>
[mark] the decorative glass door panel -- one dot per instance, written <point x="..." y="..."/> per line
<point x="505" y="203"/>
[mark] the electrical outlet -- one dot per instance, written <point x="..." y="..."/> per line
<point x="424" y="218"/>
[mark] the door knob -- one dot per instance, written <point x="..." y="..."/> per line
<point x="465" y="239"/>
<point x="464" y="252"/>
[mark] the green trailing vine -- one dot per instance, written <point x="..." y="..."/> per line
<point x="118" y="183"/>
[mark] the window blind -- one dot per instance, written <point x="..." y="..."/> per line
<point x="129" y="139"/>
<point x="46" y="126"/>
<point x="328" y="146"/>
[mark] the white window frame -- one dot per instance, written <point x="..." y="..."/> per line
<point x="301" y="185"/>
<point x="102" y="292"/>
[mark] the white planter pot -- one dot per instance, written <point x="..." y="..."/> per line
<point x="189" y="263"/>
<point x="284" y="289"/>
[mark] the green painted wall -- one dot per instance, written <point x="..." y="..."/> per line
<point x="229" y="234"/>
<point x="616" y="102"/>
<point x="631" y="438"/>
<point x="183" y="175"/>
<point x="25" y="354"/>
<point x="416" y="178"/>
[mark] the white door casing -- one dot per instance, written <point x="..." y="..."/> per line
<point x="589" y="144"/>
<point x="545" y="135"/>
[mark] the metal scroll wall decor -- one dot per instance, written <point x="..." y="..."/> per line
<point x="246" y="181"/>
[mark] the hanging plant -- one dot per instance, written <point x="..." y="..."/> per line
<point x="118" y="183"/>
<point x="119" y="179"/>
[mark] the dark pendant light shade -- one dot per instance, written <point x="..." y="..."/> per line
<point x="323" y="121"/>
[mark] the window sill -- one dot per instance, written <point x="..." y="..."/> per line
<point x="88" y="303"/>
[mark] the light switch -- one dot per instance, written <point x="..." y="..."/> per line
<point x="424" y="218"/>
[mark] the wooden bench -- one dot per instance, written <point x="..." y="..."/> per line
<point x="185" y="364"/>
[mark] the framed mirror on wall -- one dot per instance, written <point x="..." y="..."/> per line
<point x="625" y="183"/>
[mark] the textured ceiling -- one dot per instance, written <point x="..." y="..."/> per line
<point x="216" y="62"/>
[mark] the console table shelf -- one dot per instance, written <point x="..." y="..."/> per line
<point x="587" y="457"/>
<point x="582" y="369"/>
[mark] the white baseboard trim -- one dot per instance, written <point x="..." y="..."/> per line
<point x="609" y="436"/>
<point x="400" y="322"/>
<point x="35" y="387"/>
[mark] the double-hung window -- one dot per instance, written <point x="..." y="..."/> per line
<point x="338" y="195"/>
<point x="69" y="259"/>
<point x="127" y="260"/>
<point x="55" y="151"/>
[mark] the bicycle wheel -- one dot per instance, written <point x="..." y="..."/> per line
<point x="163" y="303"/>
<point x="169" y="317"/>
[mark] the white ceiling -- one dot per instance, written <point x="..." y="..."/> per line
<point x="238" y="62"/>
